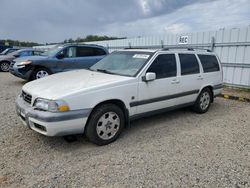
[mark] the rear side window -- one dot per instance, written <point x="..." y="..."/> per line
<point x="85" y="51"/>
<point x="209" y="63"/>
<point x="164" y="66"/>
<point x="189" y="64"/>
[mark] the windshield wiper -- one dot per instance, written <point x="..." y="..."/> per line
<point x="104" y="71"/>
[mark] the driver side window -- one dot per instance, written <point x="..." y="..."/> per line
<point x="164" y="66"/>
<point x="69" y="52"/>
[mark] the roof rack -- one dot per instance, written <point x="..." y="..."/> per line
<point x="187" y="48"/>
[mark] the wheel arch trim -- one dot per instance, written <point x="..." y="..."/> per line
<point x="117" y="102"/>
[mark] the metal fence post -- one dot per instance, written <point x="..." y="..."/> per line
<point x="162" y="44"/>
<point x="212" y="43"/>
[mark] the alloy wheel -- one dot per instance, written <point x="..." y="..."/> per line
<point x="41" y="74"/>
<point x="204" y="100"/>
<point x="108" y="125"/>
<point x="5" y="67"/>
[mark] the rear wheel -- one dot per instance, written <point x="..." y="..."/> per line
<point x="203" y="101"/>
<point x="4" y="66"/>
<point x="40" y="73"/>
<point x="105" y="124"/>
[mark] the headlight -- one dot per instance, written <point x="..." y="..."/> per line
<point x="23" y="63"/>
<point x="51" y="105"/>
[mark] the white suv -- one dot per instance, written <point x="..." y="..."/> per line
<point x="125" y="85"/>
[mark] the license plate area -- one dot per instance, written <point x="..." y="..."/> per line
<point x="23" y="117"/>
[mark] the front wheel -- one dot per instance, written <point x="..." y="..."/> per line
<point x="40" y="73"/>
<point x="4" y="66"/>
<point x="203" y="101"/>
<point x="105" y="124"/>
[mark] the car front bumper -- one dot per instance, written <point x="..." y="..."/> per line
<point x="20" y="72"/>
<point x="52" y="124"/>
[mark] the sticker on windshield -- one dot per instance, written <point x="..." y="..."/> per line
<point x="141" y="56"/>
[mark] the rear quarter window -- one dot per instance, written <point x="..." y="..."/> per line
<point x="209" y="63"/>
<point x="99" y="52"/>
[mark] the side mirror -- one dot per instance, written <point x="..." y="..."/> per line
<point x="150" y="76"/>
<point x="60" y="56"/>
<point x="16" y="55"/>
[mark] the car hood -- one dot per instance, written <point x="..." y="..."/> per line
<point x="30" y="58"/>
<point x="62" y="84"/>
<point x="6" y="57"/>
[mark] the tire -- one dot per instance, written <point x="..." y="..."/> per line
<point x="203" y="101"/>
<point x="40" y="73"/>
<point x="105" y="124"/>
<point x="4" y="66"/>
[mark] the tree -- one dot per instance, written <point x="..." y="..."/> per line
<point x="70" y="40"/>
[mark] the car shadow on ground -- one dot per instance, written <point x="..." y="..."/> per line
<point x="18" y="82"/>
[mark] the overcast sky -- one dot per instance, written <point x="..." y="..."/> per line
<point x="55" y="20"/>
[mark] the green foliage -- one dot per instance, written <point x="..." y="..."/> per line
<point x="19" y="43"/>
<point x="88" y="38"/>
<point x="91" y="38"/>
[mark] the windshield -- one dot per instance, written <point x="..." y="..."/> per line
<point x="5" y="51"/>
<point x="53" y="51"/>
<point x="126" y="63"/>
<point x="14" y="53"/>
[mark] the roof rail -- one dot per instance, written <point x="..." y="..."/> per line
<point x="150" y="47"/>
<point x="80" y="43"/>
<point x="168" y="48"/>
<point x="187" y="48"/>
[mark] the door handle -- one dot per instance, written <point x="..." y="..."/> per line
<point x="175" y="81"/>
<point x="200" y="77"/>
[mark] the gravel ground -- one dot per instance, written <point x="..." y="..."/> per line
<point x="175" y="149"/>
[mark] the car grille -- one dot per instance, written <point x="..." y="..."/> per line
<point x="26" y="97"/>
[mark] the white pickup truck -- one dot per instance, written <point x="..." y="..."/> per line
<point x="125" y="85"/>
